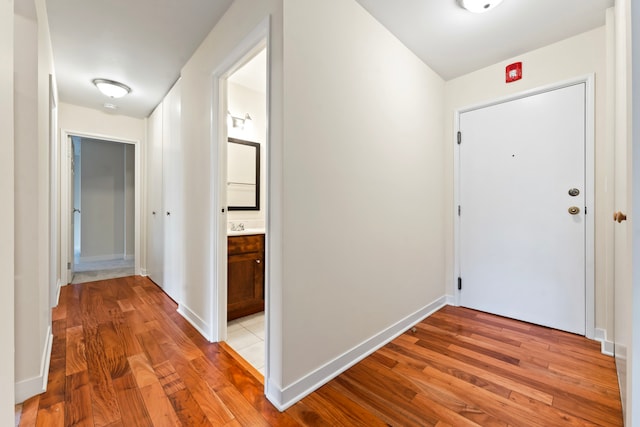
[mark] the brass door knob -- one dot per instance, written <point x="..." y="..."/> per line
<point x="619" y="216"/>
<point x="574" y="210"/>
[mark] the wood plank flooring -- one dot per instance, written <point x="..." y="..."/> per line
<point x="122" y="356"/>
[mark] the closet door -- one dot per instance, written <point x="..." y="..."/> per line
<point x="155" y="217"/>
<point x="173" y="194"/>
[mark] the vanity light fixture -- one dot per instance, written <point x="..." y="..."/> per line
<point x="239" y="122"/>
<point x="112" y="88"/>
<point x="479" y="6"/>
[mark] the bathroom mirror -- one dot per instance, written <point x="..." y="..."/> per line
<point x="243" y="175"/>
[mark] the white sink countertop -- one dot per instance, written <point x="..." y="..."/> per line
<point x="245" y="232"/>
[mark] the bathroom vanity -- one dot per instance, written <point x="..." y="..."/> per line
<point x="245" y="277"/>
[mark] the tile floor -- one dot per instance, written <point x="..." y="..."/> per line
<point x="246" y="336"/>
<point x="18" y="412"/>
<point x="100" y="270"/>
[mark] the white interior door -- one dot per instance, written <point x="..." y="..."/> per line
<point x="522" y="253"/>
<point x="74" y="208"/>
<point x="172" y="194"/>
<point x="155" y="225"/>
<point x="76" y="194"/>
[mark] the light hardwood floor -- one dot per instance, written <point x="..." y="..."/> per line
<point x="122" y="356"/>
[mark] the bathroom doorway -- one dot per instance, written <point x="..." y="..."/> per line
<point x="246" y="195"/>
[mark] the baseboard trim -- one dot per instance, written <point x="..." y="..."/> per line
<point x="283" y="398"/>
<point x="38" y="384"/>
<point x="98" y="258"/>
<point x="606" y="346"/>
<point x="195" y="320"/>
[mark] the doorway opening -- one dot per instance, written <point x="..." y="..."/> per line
<point x="101" y="189"/>
<point x="246" y="195"/>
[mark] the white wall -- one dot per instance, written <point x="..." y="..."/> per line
<point x="244" y="100"/>
<point x="200" y="178"/>
<point x="49" y="156"/>
<point x="33" y="65"/>
<point x="26" y="202"/>
<point x="363" y="133"/>
<point x="82" y="120"/>
<point x="103" y="206"/>
<point x="363" y="186"/>
<point x="625" y="345"/>
<point x="7" y="356"/>
<point x="573" y="57"/>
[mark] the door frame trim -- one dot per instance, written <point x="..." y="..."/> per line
<point x="257" y="39"/>
<point x="65" y="177"/>
<point x="589" y="81"/>
<point x="254" y="42"/>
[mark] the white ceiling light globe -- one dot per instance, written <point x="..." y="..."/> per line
<point x="111" y="88"/>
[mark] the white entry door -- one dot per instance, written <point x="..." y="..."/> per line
<point x="522" y="209"/>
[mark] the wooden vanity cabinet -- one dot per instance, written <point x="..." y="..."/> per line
<point x="245" y="275"/>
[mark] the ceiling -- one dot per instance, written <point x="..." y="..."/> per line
<point x="253" y="74"/>
<point x="141" y="43"/>
<point x="145" y="43"/>
<point x="454" y="42"/>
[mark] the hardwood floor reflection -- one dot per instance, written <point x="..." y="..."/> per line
<point x="123" y="356"/>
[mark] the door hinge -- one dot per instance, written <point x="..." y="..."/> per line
<point x="459" y="210"/>
<point x="68" y="266"/>
<point x="459" y="283"/>
<point x="459" y="137"/>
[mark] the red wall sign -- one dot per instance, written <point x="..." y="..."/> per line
<point x="513" y="72"/>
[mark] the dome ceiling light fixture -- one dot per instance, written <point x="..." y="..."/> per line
<point x="111" y="88"/>
<point x="479" y="6"/>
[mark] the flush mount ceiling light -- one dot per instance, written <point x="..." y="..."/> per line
<point x="111" y="88"/>
<point x="479" y="6"/>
